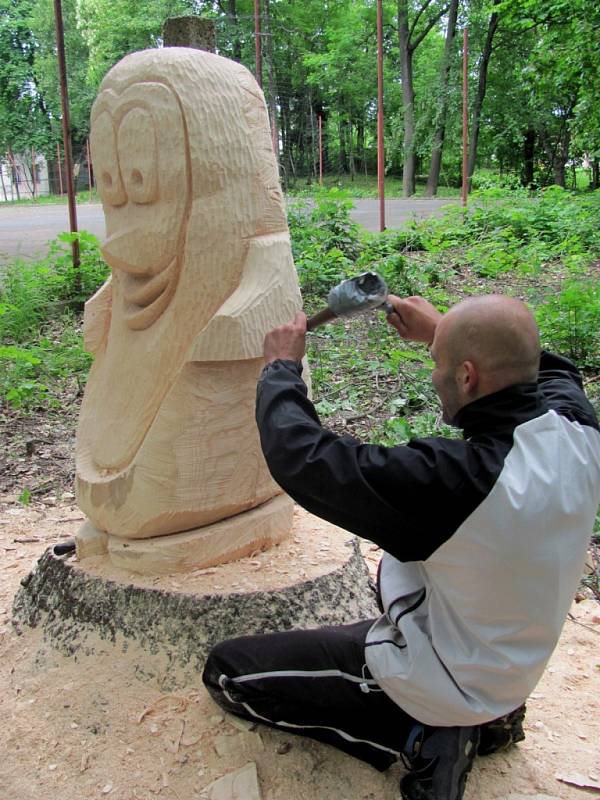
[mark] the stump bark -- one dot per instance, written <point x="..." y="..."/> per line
<point x="169" y="633"/>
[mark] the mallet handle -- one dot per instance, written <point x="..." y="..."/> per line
<point x="326" y="315"/>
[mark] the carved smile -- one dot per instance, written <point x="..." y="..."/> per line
<point x="146" y="297"/>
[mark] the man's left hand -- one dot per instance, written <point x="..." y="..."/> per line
<point x="287" y="342"/>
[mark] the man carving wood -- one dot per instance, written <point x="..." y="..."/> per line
<point x="484" y="542"/>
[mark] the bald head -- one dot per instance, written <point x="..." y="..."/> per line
<point x="497" y="334"/>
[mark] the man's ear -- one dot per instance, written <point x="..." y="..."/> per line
<point x="468" y="377"/>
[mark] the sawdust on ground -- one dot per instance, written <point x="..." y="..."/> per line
<point x="78" y="729"/>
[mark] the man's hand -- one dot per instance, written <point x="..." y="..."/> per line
<point x="414" y="318"/>
<point x="287" y="342"/>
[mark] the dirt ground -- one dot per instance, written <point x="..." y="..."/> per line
<point x="74" y="729"/>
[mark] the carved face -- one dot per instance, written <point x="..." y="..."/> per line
<point x="139" y="149"/>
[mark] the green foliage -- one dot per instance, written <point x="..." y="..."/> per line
<point x="506" y="230"/>
<point x="113" y="28"/>
<point x="570" y="322"/>
<point x="24" y="119"/>
<point x="25" y="497"/>
<point x="33" y="293"/>
<point x="43" y="344"/>
<point x="400" y="430"/>
<point x="324" y="240"/>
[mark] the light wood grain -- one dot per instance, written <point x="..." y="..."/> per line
<point x="202" y="268"/>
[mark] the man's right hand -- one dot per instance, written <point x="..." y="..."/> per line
<point x="414" y="318"/>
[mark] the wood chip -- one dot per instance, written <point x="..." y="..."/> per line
<point x="173" y="746"/>
<point x="190" y="741"/>
<point x="578" y="779"/>
<point x="170" y="702"/>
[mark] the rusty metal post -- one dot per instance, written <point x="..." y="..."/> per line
<point x="465" y="141"/>
<point x="320" y="150"/>
<point x="194" y="32"/>
<point x="380" y="140"/>
<point x="66" y="128"/>
<point x="33" y="171"/>
<point x="60" y="183"/>
<point x="257" y="42"/>
<point x="89" y="166"/>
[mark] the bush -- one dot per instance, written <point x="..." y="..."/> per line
<point x="34" y="292"/>
<point x="325" y="241"/>
<point x="42" y="348"/>
<point x="570" y="323"/>
<point x="505" y="230"/>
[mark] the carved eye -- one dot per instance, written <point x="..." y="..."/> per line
<point x="138" y="156"/>
<point x="104" y="158"/>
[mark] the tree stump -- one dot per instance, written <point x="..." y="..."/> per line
<point x="190" y="32"/>
<point x="169" y="623"/>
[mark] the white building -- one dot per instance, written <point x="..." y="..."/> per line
<point x="17" y="181"/>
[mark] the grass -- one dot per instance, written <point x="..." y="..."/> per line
<point x="53" y="199"/>
<point x="362" y="186"/>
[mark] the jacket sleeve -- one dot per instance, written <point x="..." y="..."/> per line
<point x="560" y="382"/>
<point x="402" y="498"/>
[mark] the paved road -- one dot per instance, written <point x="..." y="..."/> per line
<point x="25" y="230"/>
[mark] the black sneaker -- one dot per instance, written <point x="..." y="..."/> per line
<point x="440" y="760"/>
<point x="501" y="733"/>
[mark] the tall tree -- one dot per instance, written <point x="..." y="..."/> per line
<point x="482" y="78"/>
<point x="24" y="115"/>
<point x="440" y="122"/>
<point x="411" y="32"/>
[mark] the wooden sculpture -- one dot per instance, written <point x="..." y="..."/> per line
<point x="169" y="467"/>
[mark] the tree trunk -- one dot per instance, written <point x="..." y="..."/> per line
<point x="3" y="184"/>
<point x="272" y="93"/>
<point x="313" y="148"/>
<point x="408" y="99"/>
<point x="343" y="151"/>
<point x="440" y="128"/>
<point x="286" y="138"/>
<point x="595" y="174"/>
<point x="14" y="171"/>
<point x="360" y="144"/>
<point x="233" y="19"/>
<point x="480" y="96"/>
<point x="351" y="154"/>
<point x="320" y="111"/>
<point x="528" y="158"/>
<point x="558" y="169"/>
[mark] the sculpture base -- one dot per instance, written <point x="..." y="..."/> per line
<point x="223" y="541"/>
<point x="169" y="623"/>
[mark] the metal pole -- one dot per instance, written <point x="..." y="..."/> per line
<point x="33" y="170"/>
<point x="380" y="142"/>
<point x="465" y="142"/>
<point x="60" y="183"/>
<point x="258" y="55"/>
<point x="89" y="166"/>
<point x="320" y="150"/>
<point x="66" y="128"/>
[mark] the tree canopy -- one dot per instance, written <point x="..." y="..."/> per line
<point x="534" y="77"/>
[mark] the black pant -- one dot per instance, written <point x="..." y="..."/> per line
<point x="313" y="683"/>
